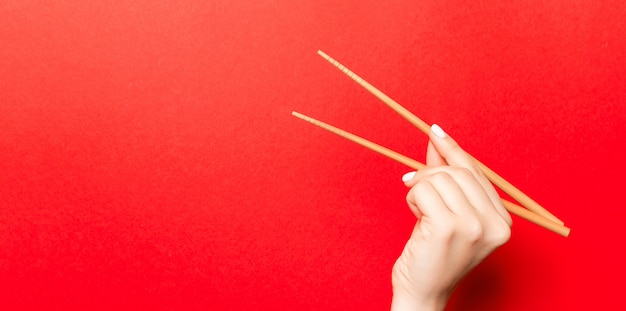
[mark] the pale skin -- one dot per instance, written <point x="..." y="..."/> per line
<point x="460" y="221"/>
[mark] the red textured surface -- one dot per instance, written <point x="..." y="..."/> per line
<point x="148" y="159"/>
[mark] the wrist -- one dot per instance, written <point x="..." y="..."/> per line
<point x="403" y="303"/>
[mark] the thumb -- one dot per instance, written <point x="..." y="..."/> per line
<point x="433" y="157"/>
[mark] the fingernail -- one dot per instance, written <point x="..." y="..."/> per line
<point x="408" y="176"/>
<point x="438" y="131"/>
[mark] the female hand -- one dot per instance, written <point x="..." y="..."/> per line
<point x="461" y="220"/>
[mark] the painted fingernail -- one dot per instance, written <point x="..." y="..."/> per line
<point x="438" y="131"/>
<point x="408" y="176"/>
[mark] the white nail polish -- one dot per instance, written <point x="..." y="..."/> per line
<point x="408" y="176"/>
<point x="438" y="131"/>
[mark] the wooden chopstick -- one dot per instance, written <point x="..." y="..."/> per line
<point x="500" y="182"/>
<point x="363" y="142"/>
<point x="510" y="206"/>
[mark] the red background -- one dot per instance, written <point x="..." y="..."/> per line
<point x="148" y="159"/>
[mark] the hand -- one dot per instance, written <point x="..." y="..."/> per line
<point x="461" y="220"/>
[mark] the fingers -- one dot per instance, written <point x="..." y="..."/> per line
<point x="461" y="191"/>
<point x="425" y="201"/>
<point x="444" y="152"/>
<point x="460" y="202"/>
<point x="454" y="155"/>
<point x="450" y="201"/>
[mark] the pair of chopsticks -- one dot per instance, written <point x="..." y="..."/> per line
<point x="532" y="212"/>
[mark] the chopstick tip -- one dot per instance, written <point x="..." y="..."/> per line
<point x="567" y="232"/>
<point x="297" y="115"/>
<point x="322" y="54"/>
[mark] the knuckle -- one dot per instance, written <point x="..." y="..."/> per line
<point x="470" y="170"/>
<point x="410" y="196"/>
<point x="502" y="235"/>
<point x="473" y="231"/>
<point x="477" y="170"/>
<point x="466" y="172"/>
<point x="422" y="186"/>
<point x="440" y="177"/>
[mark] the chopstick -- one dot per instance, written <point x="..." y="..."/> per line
<point x="500" y="182"/>
<point x="510" y="206"/>
<point x="363" y="142"/>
